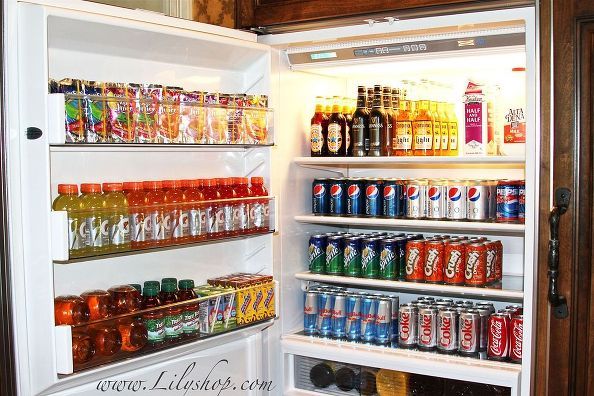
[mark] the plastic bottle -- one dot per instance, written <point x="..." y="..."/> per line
<point x="154" y="215"/>
<point x="240" y="209"/>
<point x="125" y="299"/>
<point x="210" y="208"/>
<point x="69" y="201"/>
<point x="136" y="207"/>
<point x="154" y="320"/>
<point x="190" y="311"/>
<point x="70" y="310"/>
<point x="117" y="217"/>
<point x="107" y="340"/>
<point x="96" y="234"/>
<point x="259" y="210"/>
<point x="195" y="210"/>
<point x="83" y="348"/>
<point x="173" y="315"/>
<point x="133" y="332"/>
<point x="225" y="209"/>
<point x="99" y="303"/>
<point x="174" y="211"/>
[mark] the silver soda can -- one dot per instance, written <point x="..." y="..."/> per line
<point x="486" y="305"/>
<point x="477" y="200"/>
<point x="395" y="305"/>
<point x="407" y="326"/>
<point x="353" y="317"/>
<point x="469" y="332"/>
<point x="456" y="200"/>
<point x="416" y="196"/>
<point x="427" y="338"/>
<point x="437" y="191"/>
<point x="310" y="312"/>
<point x="383" y="319"/>
<point x="447" y="331"/>
<point x="484" y="327"/>
<point x="339" y="316"/>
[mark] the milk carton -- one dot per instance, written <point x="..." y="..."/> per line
<point x="476" y="141"/>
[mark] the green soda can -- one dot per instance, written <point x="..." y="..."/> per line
<point x="388" y="259"/>
<point x="401" y="257"/>
<point x="335" y="255"/>
<point x="370" y="258"/>
<point x="352" y="256"/>
<point x="317" y="254"/>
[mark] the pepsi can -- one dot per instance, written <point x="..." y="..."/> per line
<point x="320" y="197"/>
<point x="339" y="316"/>
<point x="337" y="197"/>
<point x="355" y="201"/>
<point x="353" y="317"/>
<point x="367" y="318"/>
<point x="507" y="201"/>
<point x="416" y="195"/>
<point x="310" y="312"/>
<point x="392" y="204"/>
<point x="395" y="301"/>
<point x="436" y="199"/>
<point x="324" y="326"/>
<point x="373" y="198"/>
<point x="383" y="319"/>
<point x="477" y="200"/>
<point x="456" y="200"/>
<point x="521" y="202"/>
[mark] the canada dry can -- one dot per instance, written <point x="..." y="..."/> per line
<point x="436" y="199"/>
<point x="355" y="201"/>
<point x="469" y="332"/>
<point x="484" y="313"/>
<point x="515" y="338"/>
<point x="521" y="202"/>
<point x="335" y="255"/>
<point x="477" y="200"/>
<point x="407" y="325"/>
<point x="352" y="256"/>
<point x="507" y="201"/>
<point x="447" y="331"/>
<point x="317" y="254"/>
<point x="373" y="198"/>
<point x="395" y="306"/>
<point x="454" y="263"/>
<point x="415" y="260"/>
<point x="368" y="315"/>
<point x="456" y="200"/>
<point x="434" y="261"/>
<point x="416" y="196"/>
<point x="393" y="198"/>
<point x="427" y="336"/>
<point x="320" y="197"/>
<point x="339" y="316"/>
<point x="370" y="258"/>
<point x="310" y="312"/>
<point x="337" y="197"/>
<point x="383" y="319"/>
<point x="353" y="317"/>
<point x="491" y="262"/>
<point x="498" y="336"/>
<point x="475" y="273"/>
<point x="324" y="327"/>
<point x="388" y="259"/>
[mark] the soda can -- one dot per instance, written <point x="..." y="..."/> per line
<point x="486" y="305"/>
<point x="339" y="316"/>
<point x="447" y="331"/>
<point x="492" y="184"/>
<point x="320" y="197"/>
<point x="415" y="260"/>
<point x="477" y="200"/>
<point x="392" y="199"/>
<point x="515" y="309"/>
<point x="475" y="273"/>
<point x="383" y="318"/>
<point x="491" y="262"/>
<point x="426" y="299"/>
<point x="521" y="202"/>
<point x="352" y="256"/>
<point x="395" y="305"/>
<point x="484" y="313"/>
<point x="416" y="195"/>
<point x="335" y="255"/>
<point x="499" y="262"/>
<point x="469" y="332"/>
<point x="516" y="334"/>
<point x="427" y="338"/>
<point x="324" y="326"/>
<point x="436" y="199"/>
<point x="370" y="258"/>
<point x="388" y="263"/>
<point x="353" y="317"/>
<point x="456" y="200"/>
<point x="507" y="201"/>
<point x="373" y="198"/>
<point x="337" y="205"/>
<point x="498" y="336"/>
<point x="434" y="257"/>
<point x="355" y="204"/>
<point x="407" y="325"/>
<point x="401" y="257"/>
<point x="310" y="312"/>
<point x="368" y="318"/>
<point x="317" y="254"/>
<point x="454" y="263"/>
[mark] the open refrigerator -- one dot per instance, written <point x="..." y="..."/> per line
<point x="58" y="39"/>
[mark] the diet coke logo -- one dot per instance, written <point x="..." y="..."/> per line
<point x="468" y="338"/>
<point x="445" y="332"/>
<point x="404" y="326"/>
<point x="426" y="334"/>
<point x="455" y="257"/>
<point x="412" y="260"/>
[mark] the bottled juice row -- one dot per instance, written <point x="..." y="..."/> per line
<point x="116" y="217"/>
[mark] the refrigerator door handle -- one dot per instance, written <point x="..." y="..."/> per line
<point x="557" y="301"/>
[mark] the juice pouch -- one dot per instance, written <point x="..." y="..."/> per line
<point x="169" y="116"/>
<point x="122" y="104"/>
<point x="235" y="128"/>
<point x="193" y="117"/>
<point x="256" y="119"/>
<point x="243" y="303"/>
<point x="216" y="118"/>
<point x="96" y="125"/>
<point x="148" y="109"/>
<point x="74" y="107"/>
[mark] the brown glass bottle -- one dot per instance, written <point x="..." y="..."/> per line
<point x="336" y="139"/>
<point x="402" y="142"/>
<point x="436" y="122"/>
<point x="377" y="125"/>
<point x="388" y="131"/>
<point x="317" y="130"/>
<point x="444" y="127"/>
<point x="423" y="130"/>
<point x="360" y="129"/>
<point x="348" y="116"/>
<point x="369" y="103"/>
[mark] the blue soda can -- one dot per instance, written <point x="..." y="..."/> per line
<point x="394" y="322"/>
<point x="373" y="198"/>
<point x="320" y="197"/>
<point x="367" y="318"/>
<point x="521" y="202"/>
<point x="337" y="197"/>
<point x="324" y="324"/>
<point x="339" y="316"/>
<point x="310" y="312"/>
<point x="353" y="317"/>
<point x="355" y="200"/>
<point x="383" y="320"/>
<point x="317" y="254"/>
<point x="507" y="201"/>
<point x="392" y="198"/>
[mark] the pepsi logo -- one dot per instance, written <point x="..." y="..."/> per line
<point x="354" y="191"/>
<point x="389" y="192"/>
<point x="319" y="190"/>
<point x="372" y="192"/>
<point x="412" y="193"/>
<point x="454" y="194"/>
<point x="474" y="194"/>
<point x="335" y="190"/>
<point x="434" y="194"/>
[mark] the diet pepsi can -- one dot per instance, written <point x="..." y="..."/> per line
<point x="427" y="338"/>
<point x="436" y="199"/>
<point x="355" y="202"/>
<point x="325" y="308"/>
<point x="383" y="317"/>
<point x="353" y="317"/>
<point x="339" y="316"/>
<point x="507" y="201"/>
<point x="477" y="200"/>
<point x="416" y="194"/>
<point x="447" y="330"/>
<point x="392" y="199"/>
<point x="368" y="315"/>
<point x="456" y="200"/>
<point x="407" y="325"/>
<point x="337" y="197"/>
<point x="310" y="312"/>
<point x="320" y="197"/>
<point x="373" y="198"/>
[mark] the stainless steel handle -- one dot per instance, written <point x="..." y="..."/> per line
<point x="558" y="302"/>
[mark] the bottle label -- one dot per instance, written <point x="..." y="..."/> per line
<point x="514" y="129"/>
<point x="240" y="217"/>
<point x="348" y="137"/>
<point x="185" y="222"/>
<point x="453" y="128"/>
<point x="195" y="223"/>
<point x="444" y="135"/>
<point x="174" y="325"/>
<point x="436" y="135"/>
<point x="403" y="139"/>
<point x="173" y="225"/>
<point x="258" y="214"/>
<point x="136" y="225"/>
<point x="376" y="124"/>
<point x="423" y="138"/>
<point x="155" y="226"/>
<point x="190" y="319"/>
<point x="334" y="138"/>
<point x="98" y="231"/>
<point x="317" y="138"/>
<point x="119" y="232"/>
<point x="211" y="220"/>
<point x="228" y="218"/>
<point x="358" y="131"/>
<point x="155" y="330"/>
<point x="74" y="239"/>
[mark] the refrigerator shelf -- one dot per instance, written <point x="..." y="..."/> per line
<point x="417" y="225"/>
<point x="489" y="162"/>
<point x="150" y="147"/>
<point x="511" y="287"/>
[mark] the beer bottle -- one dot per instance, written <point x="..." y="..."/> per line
<point x="348" y="116"/>
<point x="317" y="131"/>
<point x="436" y="128"/>
<point x="336" y="140"/>
<point x="360" y="126"/>
<point x="388" y="131"/>
<point x="376" y="123"/>
<point x="328" y="108"/>
<point x="402" y="142"/>
<point x="423" y="130"/>
<point x="369" y="103"/>
<point x="453" y="147"/>
<point x="443" y="127"/>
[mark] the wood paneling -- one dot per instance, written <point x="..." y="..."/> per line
<point x="215" y="12"/>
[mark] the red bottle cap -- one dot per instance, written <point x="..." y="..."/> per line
<point x="210" y="182"/>
<point x="185" y="183"/>
<point x="152" y="185"/>
<point x="225" y="181"/>
<point x="195" y="183"/>
<point x="110" y="187"/>
<point x="133" y="186"/>
<point x="90" y="188"/>
<point x="68" y="189"/>
<point x="257" y="180"/>
<point x="172" y="184"/>
<point x="242" y="181"/>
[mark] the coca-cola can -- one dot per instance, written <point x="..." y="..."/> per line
<point x="427" y="329"/>
<point x="499" y="262"/>
<point x="475" y="273"/>
<point x="515" y="338"/>
<point x="447" y="331"/>
<point x="498" y="336"/>
<point x="491" y="264"/>
<point x="515" y="309"/>
<point x="407" y="325"/>
<point x="484" y="313"/>
<point x="469" y="332"/>
<point x="415" y="260"/>
<point x="454" y="262"/>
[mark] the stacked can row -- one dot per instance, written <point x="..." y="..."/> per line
<point x="475" y="261"/>
<point x="434" y="199"/>
<point x="441" y="325"/>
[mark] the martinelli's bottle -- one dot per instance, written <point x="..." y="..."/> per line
<point x="360" y="129"/>
<point x="453" y="147"/>
<point x="317" y="131"/>
<point x="336" y="140"/>
<point x="435" y="116"/>
<point x="403" y="140"/>
<point x="376" y="123"/>
<point x="423" y="131"/>
<point x="443" y="117"/>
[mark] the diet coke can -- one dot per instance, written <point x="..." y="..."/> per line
<point x="447" y="331"/>
<point x="469" y="332"/>
<point x="515" y="338"/>
<point x="477" y="200"/>
<point x="436" y="199"/>
<point x="407" y="325"/>
<point x="498" y="336"/>
<point x="427" y="328"/>
<point x="456" y="200"/>
<point x="416" y="194"/>
<point x="475" y="273"/>
<point x="454" y="262"/>
<point x="415" y="260"/>
<point x="434" y="261"/>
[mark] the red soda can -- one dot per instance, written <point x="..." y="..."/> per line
<point x="490" y="275"/>
<point x="454" y="262"/>
<point x="415" y="260"/>
<point x="515" y="338"/>
<point x="434" y="261"/>
<point x="475" y="273"/>
<point x="499" y="262"/>
<point x="514" y="310"/>
<point x="469" y="330"/>
<point x="498" y="336"/>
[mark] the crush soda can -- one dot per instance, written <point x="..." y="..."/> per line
<point x="310" y="312"/>
<point x="475" y="273"/>
<point x="456" y="200"/>
<point x="477" y="200"/>
<point x="388" y="259"/>
<point x="320" y="197"/>
<point x="317" y="254"/>
<point x="416" y="195"/>
<point x="507" y="201"/>
<point x="407" y="325"/>
<point x="447" y="331"/>
<point x="436" y="199"/>
<point x="383" y="318"/>
<point x="339" y="315"/>
<point x="415" y="260"/>
<point x="469" y="332"/>
<point x="427" y="328"/>
<point x="353" y="317"/>
<point x="370" y="258"/>
<point x="324" y="325"/>
<point x="355" y="201"/>
<point x="367" y="318"/>
<point x="392" y="202"/>
<point x="352" y="256"/>
<point x="373" y="197"/>
<point x="335" y="255"/>
<point x="498" y="336"/>
<point x="434" y="261"/>
<point x="454" y="262"/>
<point x="337" y="197"/>
<point x="516" y="335"/>
<point x="491" y="262"/>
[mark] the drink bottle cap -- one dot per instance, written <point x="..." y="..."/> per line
<point x="243" y="181"/>
<point x="90" y="188"/>
<point x="150" y="291"/>
<point x="169" y="280"/>
<point x="210" y="182"/>
<point x="225" y="181"/>
<point x="185" y="183"/>
<point x="109" y="187"/>
<point x="195" y="183"/>
<point x="152" y="283"/>
<point x="186" y="284"/>
<point x="137" y="287"/>
<point x="172" y="184"/>
<point x="132" y="186"/>
<point x="257" y="180"/>
<point x="168" y="287"/>
<point x="67" y="189"/>
<point x="517" y="69"/>
<point x="152" y="185"/>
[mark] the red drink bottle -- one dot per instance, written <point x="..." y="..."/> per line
<point x="174" y="211"/>
<point x="210" y="208"/>
<point x="259" y="209"/>
<point x="154" y="223"/>
<point x="195" y="210"/>
<point x="241" y="210"/>
<point x="225" y="209"/>
<point x="136" y="208"/>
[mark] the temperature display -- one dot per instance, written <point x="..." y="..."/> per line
<point x="323" y="55"/>
<point x="391" y="49"/>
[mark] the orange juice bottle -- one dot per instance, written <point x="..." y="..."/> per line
<point x="136" y="207"/>
<point x="155" y="213"/>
